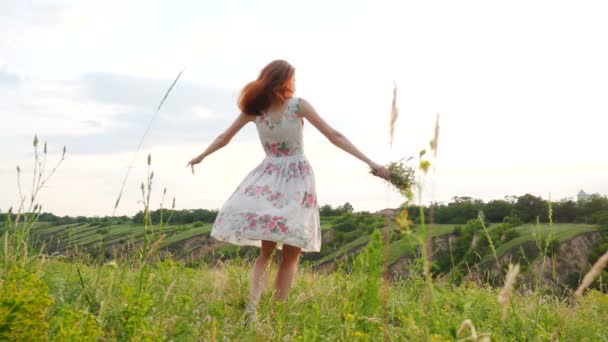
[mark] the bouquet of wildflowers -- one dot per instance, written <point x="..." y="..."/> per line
<point x="402" y="177"/>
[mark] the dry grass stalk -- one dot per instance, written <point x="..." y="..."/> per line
<point x="468" y="325"/>
<point x="213" y="330"/>
<point x="141" y="141"/>
<point x="597" y="268"/>
<point x="474" y="241"/>
<point x="155" y="246"/>
<point x="394" y="113"/>
<point x="435" y="141"/>
<point x="169" y="289"/>
<point x="505" y="295"/>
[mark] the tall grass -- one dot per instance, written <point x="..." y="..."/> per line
<point x="15" y="247"/>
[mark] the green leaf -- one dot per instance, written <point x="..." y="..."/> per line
<point x="425" y="165"/>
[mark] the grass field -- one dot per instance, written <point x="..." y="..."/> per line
<point x="531" y="232"/>
<point x="86" y="235"/>
<point x="91" y="303"/>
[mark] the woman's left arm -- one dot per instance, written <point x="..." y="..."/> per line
<point x="223" y="139"/>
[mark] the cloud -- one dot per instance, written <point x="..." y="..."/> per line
<point x="104" y="112"/>
<point x="203" y="112"/>
<point x="8" y="78"/>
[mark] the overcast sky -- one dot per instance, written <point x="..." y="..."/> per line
<point x="521" y="88"/>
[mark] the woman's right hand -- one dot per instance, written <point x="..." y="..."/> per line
<point x="379" y="170"/>
<point x="194" y="161"/>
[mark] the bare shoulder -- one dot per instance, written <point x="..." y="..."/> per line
<point x="306" y="108"/>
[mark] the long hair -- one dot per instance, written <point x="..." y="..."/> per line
<point x="272" y="85"/>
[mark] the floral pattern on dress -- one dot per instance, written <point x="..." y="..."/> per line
<point x="308" y="200"/>
<point x="277" y="199"/>
<point x="266" y="222"/>
<point x="299" y="169"/>
<point x="271" y="169"/>
<point x="265" y="121"/>
<point x="277" y="149"/>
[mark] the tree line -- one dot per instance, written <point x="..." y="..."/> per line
<point x="526" y="208"/>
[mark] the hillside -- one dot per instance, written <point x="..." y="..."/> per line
<point x="344" y="236"/>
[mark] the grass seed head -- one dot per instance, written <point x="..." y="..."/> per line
<point x="505" y="294"/>
<point x="435" y="141"/>
<point x="394" y="113"/>
<point x="466" y="325"/>
<point x="597" y="268"/>
<point x="111" y="264"/>
<point x="155" y="246"/>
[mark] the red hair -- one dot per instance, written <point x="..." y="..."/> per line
<point x="274" y="84"/>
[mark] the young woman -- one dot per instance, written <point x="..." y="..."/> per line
<point x="275" y="206"/>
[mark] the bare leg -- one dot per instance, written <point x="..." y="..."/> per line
<point x="261" y="272"/>
<point x="287" y="271"/>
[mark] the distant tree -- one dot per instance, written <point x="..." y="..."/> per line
<point x="497" y="210"/>
<point x="139" y="217"/>
<point x="589" y="211"/>
<point x="347" y="223"/>
<point x="48" y="217"/>
<point x="564" y="210"/>
<point x="528" y="207"/>
<point x="345" y="208"/>
<point x="511" y="199"/>
<point x="459" y="211"/>
<point x="414" y="213"/>
<point x="603" y="220"/>
<point x="512" y="221"/>
<point x="326" y="210"/>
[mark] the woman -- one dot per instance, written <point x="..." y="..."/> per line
<point x="275" y="206"/>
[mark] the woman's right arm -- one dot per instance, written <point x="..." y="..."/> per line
<point x="338" y="139"/>
<point x="223" y="139"/>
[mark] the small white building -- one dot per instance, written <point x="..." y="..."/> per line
<point x="583" y="196"/>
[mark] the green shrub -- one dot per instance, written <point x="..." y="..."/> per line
<point x="74" y="325"/>
<point x="512" y="221"/>
<point x="24" y="303"/>
<point x="511" y="234"/>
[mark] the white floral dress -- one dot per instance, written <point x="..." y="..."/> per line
<point x="277" y="200"/>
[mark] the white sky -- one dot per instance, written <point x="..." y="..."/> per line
<point x="520" y="86"/>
